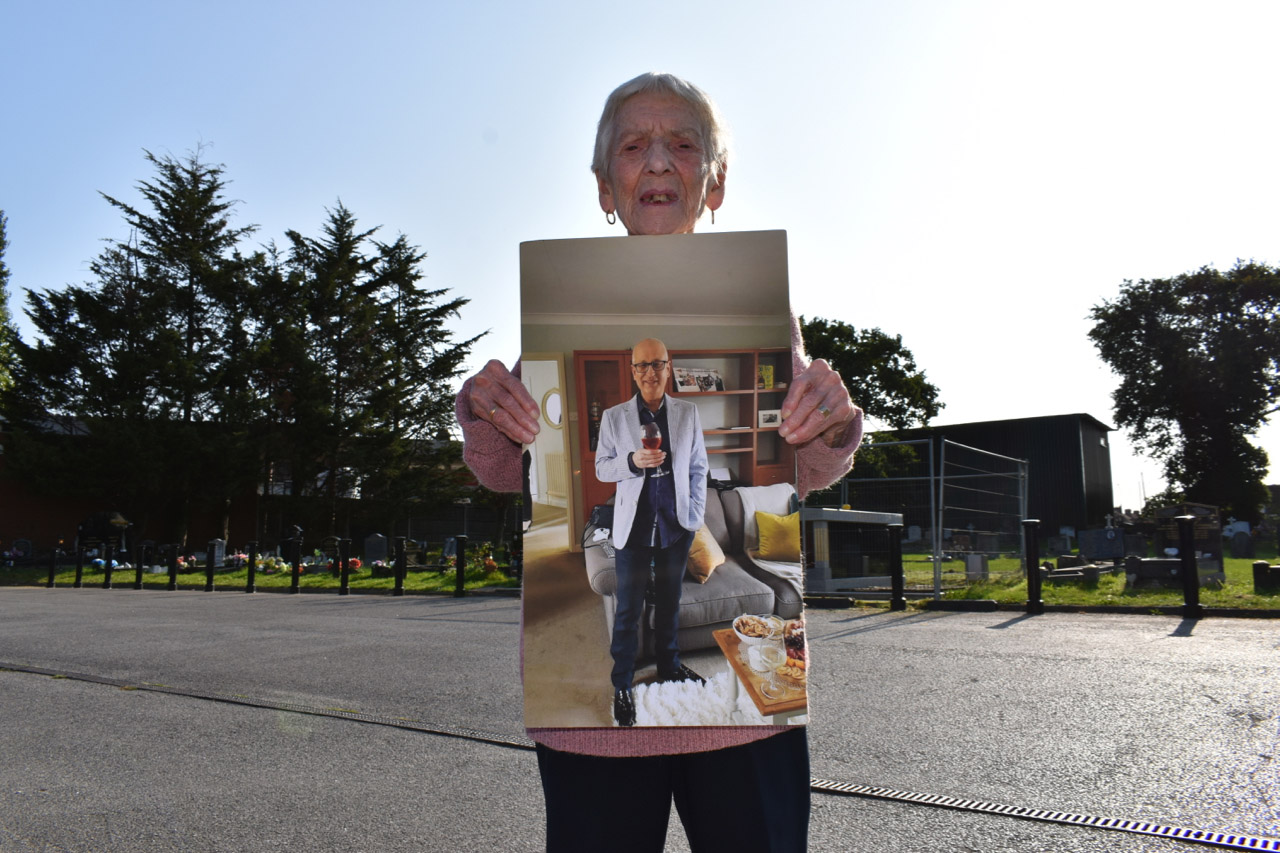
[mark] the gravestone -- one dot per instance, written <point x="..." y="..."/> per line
<point x="913" y="533"/>
<point x="975" y="567"/>
<point x="1102" y="544"/>
<point x="1206" y="530"/>
<point x="1166" y="573"/>
<point x="1266" y="578"/>
<point x="218" y="552"/>
<point x="1059" y="545"/>
<point x="375" y="548"/>
<point x="1241" y="545"/>
<point x="988" y="543"/>
<point x="22" y="552"/>
<point x="1135" y="545"/>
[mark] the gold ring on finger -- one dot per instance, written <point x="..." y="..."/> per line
<point x="824" y="411"/>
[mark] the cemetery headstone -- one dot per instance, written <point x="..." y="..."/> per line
<point x="1241" y="545"/>
<point x="375" y="547"/>
<point x="1208" y="538"/>
<point x="975" y="567"/>
<point x="1103" y="544"/>
<point x="1266" y="578"/>
<point x="1059" y="545"/>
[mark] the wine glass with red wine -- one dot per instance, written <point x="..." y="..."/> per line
<point x="650" y="436"/>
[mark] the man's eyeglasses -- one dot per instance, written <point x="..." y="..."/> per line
<point x="646" y="366"/>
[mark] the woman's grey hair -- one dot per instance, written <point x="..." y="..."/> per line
<point x="715" y="134"/>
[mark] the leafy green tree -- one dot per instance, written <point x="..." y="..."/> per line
<point x="1198" y="356"/>
<point x="371" y="396"/>
<point x="413" y="402"/>
<point x="7" y="332"/>
<point x="142" y="360"/>
<point x="879" y="371"/>
<point x="185" y="372"/>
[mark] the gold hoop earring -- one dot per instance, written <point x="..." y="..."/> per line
<point x="610" y="218"/>
<point x="713" y="217"/>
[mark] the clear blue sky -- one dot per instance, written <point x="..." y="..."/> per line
<point x="971" y="175"/>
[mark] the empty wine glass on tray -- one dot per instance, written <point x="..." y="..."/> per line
<point x="765" y="658"/>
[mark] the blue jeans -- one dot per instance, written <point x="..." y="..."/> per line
<point x="632" y="566"/>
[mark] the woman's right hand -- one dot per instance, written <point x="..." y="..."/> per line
<point x="501" y="399"/>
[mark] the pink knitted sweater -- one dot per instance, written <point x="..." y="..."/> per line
<point x="495" y="460"/>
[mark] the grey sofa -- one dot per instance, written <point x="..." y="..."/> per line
<point x="737" y="586"/>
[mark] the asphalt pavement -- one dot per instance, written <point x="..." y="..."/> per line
<point x="192" y="721"/>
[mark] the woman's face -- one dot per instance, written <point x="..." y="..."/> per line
<point x="657" y="181"/>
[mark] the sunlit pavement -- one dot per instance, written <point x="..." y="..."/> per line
<point x="1140" y="717"/>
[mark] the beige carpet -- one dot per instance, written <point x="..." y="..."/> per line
<point x="566" y="646"/>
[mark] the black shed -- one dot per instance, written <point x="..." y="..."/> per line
<point x="1069" y="463"/>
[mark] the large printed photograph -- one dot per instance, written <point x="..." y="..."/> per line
<point x="663" y="568"/>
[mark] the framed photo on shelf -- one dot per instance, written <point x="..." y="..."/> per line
<point x="770" y="418"/>
<point x="692" y="380"/>
<point x="685" y="380"/>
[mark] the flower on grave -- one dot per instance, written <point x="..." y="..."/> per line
<point x="354" y="563"/>
<point x="490" y="563"/>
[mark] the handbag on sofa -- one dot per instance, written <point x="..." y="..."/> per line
<point x="602" y="516"/>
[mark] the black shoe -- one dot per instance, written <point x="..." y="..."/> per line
<point x="683" y="673"/>
<point x="624" y="707"/>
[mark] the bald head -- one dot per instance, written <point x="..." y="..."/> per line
<point x="651" y="380"/>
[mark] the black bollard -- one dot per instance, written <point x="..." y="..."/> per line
<point x="171" y="554"/>
<point x="251" y="578"/>
<point x="108" y="557"/>
<point x="402" y="562"/>
<point x="79" y="567"/>
<point x="208" y="568"/>
<point x="53" y="567"/>
<point x="138" y="555"/>
<point x="898" y="581"/>
<point x="251" y="575"/>
<point x="1030" y="527"/>
<point x="344" y="566"/>
<point x="1191" y="608"/>
<point x="460" y="578"/>
<point x="295" y="561"/>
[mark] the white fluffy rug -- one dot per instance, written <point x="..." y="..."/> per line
<point x="688" y="703"/>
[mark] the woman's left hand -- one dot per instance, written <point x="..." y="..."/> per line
<point x="817" y="403"/>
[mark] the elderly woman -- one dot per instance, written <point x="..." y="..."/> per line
<point x="660" y="162"/>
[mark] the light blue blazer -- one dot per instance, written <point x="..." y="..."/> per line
<point x="620" y="437"/>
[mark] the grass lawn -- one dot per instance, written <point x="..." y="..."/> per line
<point x="1007" y="586"/>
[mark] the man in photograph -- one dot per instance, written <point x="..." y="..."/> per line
<point x="651" y="447"/>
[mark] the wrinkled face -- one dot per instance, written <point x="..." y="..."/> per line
<point x="658" y="176"/>
<point x="651" y="381"/>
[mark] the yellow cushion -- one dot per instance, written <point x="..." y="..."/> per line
<point x="779" y="536"/>
<point x="704" y="555"/>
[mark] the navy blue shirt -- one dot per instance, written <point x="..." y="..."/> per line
<point x="655" y="523"/>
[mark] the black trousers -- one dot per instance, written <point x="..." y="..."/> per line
<point x="752" y="798"/>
